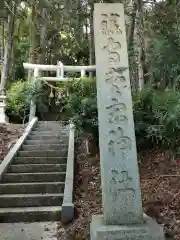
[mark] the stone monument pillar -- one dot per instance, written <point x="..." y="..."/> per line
<point x="122" y="207"/>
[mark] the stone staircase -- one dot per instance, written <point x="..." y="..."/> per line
<point x="33" y="186"/>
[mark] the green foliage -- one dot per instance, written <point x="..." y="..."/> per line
<point x="17" y="96"/>
<point x="163" y="49"/>
<point x="142" y="106"/>
<point x="21" y="56"/>
<point x="81" y="104"/>
<point x="156" y="113"/>
<point x="21" y="93"/>
<point x="157" y="117"/>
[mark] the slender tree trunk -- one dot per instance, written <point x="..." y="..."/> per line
<point x="131" y="29"/>
<point x="43" y="36"/>
<point x="8" y="49"/>
<point x="2" y="40"/>
<point x="33" y="40"/>
<point x="131" y="38"/>
<point x="86" y="23"/>
<point x="91" y="37"/>
<point x="140" y="44"/>
<point x="11" y="66"/>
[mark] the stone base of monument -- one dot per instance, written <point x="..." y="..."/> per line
<point x="150" y="230"/>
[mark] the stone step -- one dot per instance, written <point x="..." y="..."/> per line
<point x="40" y="160"/>
<point x="48" y="127"/>
<point x="33" y="187"/>
<point x="27" y="147"/>
<point x="30" y="168"/>
<point x="30" y="214"/>
<point x="51" y="133"/>
<point x="46" y="141"/>
<point x="47" y="124"/>
<point x="47" y="137"/>
<point x="61" y="123"/>
<point x="43" y="153"/>
<point x="33" y="177"/>
<point x="51" y="128"/>
<point x="30" y="200"/>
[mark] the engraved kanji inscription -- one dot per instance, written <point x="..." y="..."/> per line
<point x="110" y="24"/>
<point x="116" y="78"/>
<point x="116" y="110"/>
<point x="121" y="183"/>
<point x="121" y="178"/>
<point x="114" y="57"/>
<point x="124" y="143"/>
<point x="112" y="45"/>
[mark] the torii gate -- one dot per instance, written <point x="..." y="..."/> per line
<point x="60" y="70"/>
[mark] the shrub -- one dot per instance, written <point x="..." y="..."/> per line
<point x="19" y="96"/>
<point x="81" y="105"/>
<point x="157" y="117"/>
<point x="156" y="113"/>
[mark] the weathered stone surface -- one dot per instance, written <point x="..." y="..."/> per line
<point x="67" y="213"/>
<point x="43" y="153"/>
<point x="44" y="146"/>
<point x="30" y="200"/>
<point x="119" y="169"/>
<point x="28" y="231"/>
<point x="3" y="117"/>
<point x="48" y="132"/>
<point x="34" y="177"/>
<point x="46" y="141"/>
<point x="68" y="206"/>
<point x="30" y="214"/>
<point x="39" y="160"/>
<point x="30" y="168"/>
<point x="47" y="137"/>
<point x="28" y="188"/>
<point x="149" y="230"/>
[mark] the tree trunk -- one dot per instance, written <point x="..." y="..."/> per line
<point x="92" y="144"/>
<point x="91" y="38"/>
<point x="2" y="41"/>
<point x="11" y="65"/>
<point x="8" y="49"/>
<point x="43" y="36"/>
<point x="140" y="44"/>
<point x="131" y="29"/>
<point x="33" y="39"/>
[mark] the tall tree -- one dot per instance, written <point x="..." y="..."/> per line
<point x="8" y="49"/>
<point x="2" y="40"/>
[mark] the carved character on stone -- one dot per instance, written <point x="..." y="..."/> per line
<point x="114" y="57"/>
<point x="116" y="109"/>
<point x="117" y="138"/>
<point x="115" y="77"/>
<point x="120" y="184"/>
<point x="121" y="178"/>
<point x="109" y="24"/>
<point x="112" y="45"/>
